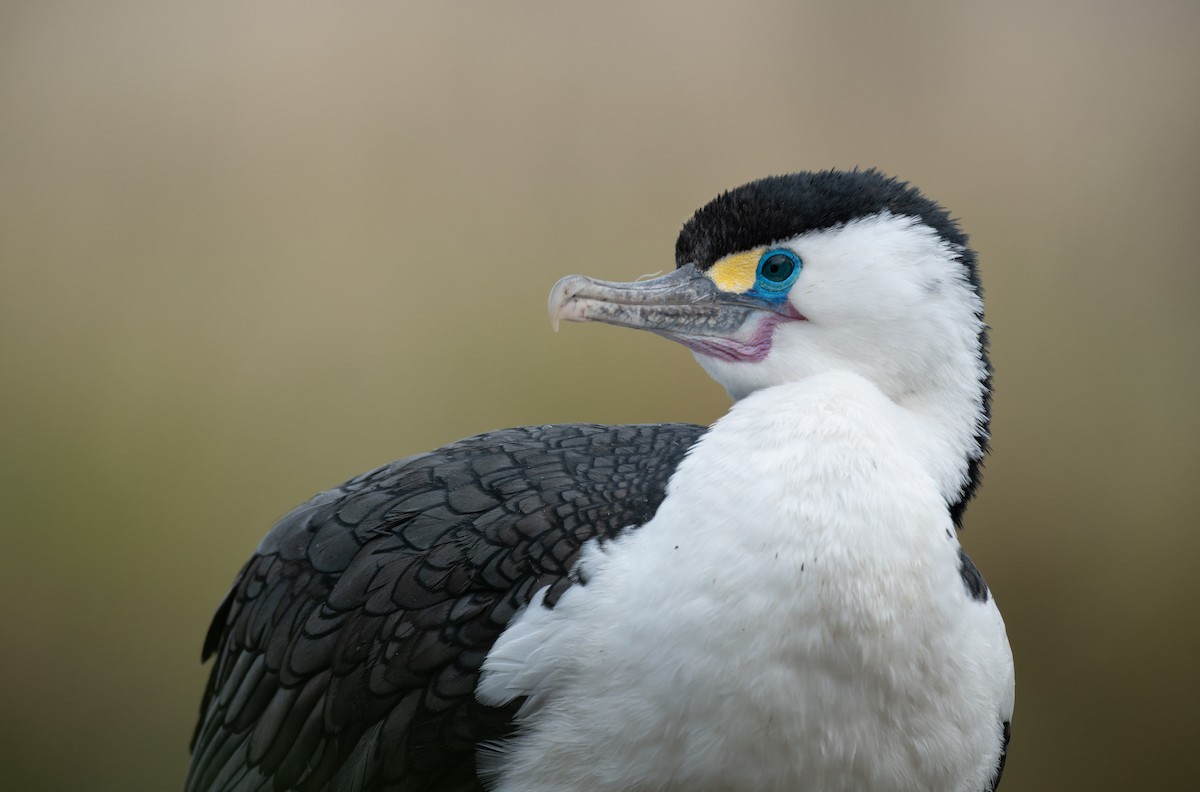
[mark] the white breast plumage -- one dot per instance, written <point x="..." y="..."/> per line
<point x="791" y="618"/>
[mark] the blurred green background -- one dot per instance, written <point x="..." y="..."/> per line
<point x="249" y="250"/>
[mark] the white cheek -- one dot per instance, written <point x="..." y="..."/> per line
<point x="884" y="298"/>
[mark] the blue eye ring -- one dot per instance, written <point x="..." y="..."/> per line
<point x="778" y="269"/>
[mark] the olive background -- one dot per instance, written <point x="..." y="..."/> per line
<point x="248" y="250"/>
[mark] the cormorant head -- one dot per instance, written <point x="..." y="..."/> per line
<point x="791" y="276"/>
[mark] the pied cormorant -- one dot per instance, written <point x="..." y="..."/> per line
<point x="775" y="602"/>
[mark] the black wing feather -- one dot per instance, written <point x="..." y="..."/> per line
<point x="348" y="650"/>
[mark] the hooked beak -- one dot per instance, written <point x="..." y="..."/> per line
<point x="684" y="306"/>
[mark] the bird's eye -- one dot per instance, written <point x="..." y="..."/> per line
<point x="778" y="269"/>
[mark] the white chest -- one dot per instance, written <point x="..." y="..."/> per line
<point x="792" y="618"/>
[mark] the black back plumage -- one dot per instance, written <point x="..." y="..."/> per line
<point x="349" y="647"/>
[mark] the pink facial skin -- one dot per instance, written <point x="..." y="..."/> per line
<point x="732" y="350"/>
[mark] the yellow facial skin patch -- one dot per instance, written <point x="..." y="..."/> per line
<point x="737" y="272"/>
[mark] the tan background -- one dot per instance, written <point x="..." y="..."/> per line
<point x="249" y="250"/>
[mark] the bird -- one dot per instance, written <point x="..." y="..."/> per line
<point x="778" y="601"/>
